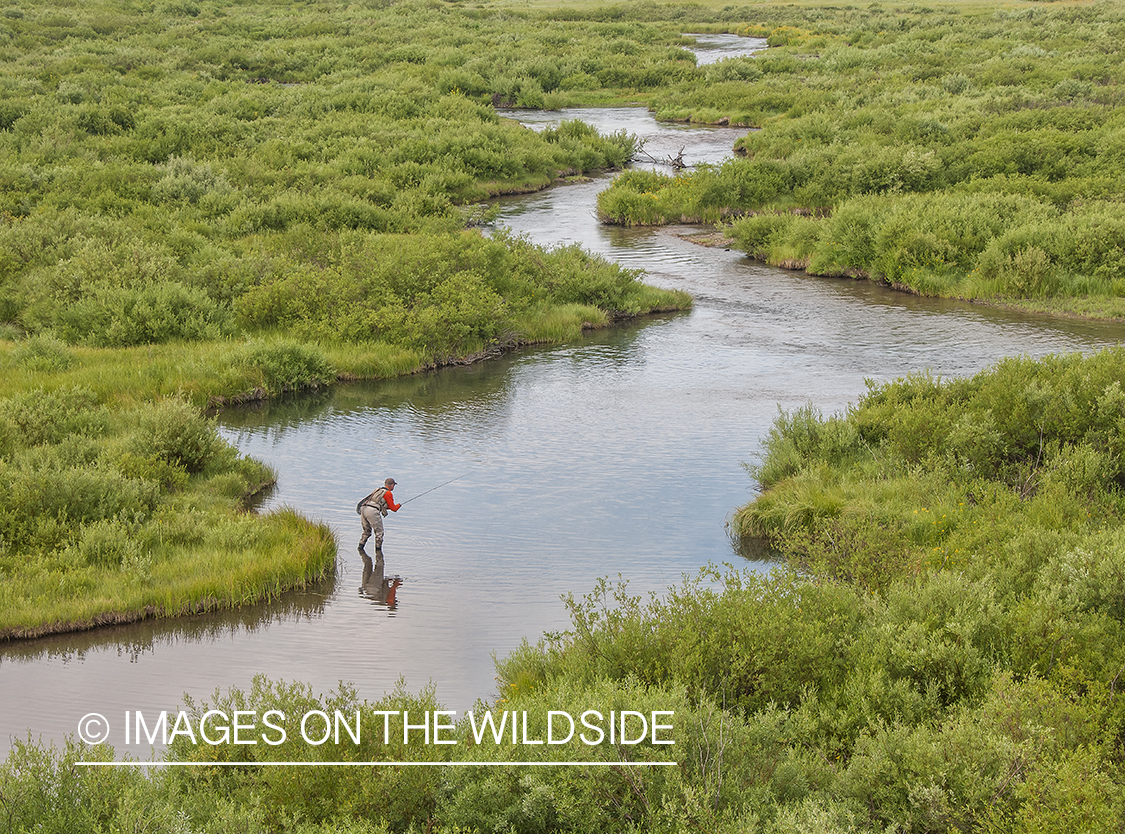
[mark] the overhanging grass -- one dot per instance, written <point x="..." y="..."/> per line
<point x="966" y="474"/>
<point x="251" y="560"/>
<point x="235" y="370"/>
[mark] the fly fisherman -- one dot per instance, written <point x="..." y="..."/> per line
<point x="371" y="511"/>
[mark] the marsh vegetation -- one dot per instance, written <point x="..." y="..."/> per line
<point x="961" y="155"/>
<point x="205" y="202"/>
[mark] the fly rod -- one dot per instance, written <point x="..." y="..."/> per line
<point x="431" y="489"/>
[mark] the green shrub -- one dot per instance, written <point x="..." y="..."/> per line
<point x="800" y="437"/>
<point x="117" y="317"/>
<point x="760" y="233"/>
<point x="43" y="352"/>
<point x="45" y="508"/>
<point x="171" y="476"/>
<point x="187" y="181"/>
<point x="279" y="366"/>
<point x="401" y="797"/>
<point x="175" y="432"/>
<point x="1076" y="793"/>
<point x="941" y="635"/>
<point x="108" y="543"/>
<point x="41" y="417"/>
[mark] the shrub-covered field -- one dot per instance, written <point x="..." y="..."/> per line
<point x="205" y="203"/>
<point x="965" y="154"/>
<point x="203" y="171"/>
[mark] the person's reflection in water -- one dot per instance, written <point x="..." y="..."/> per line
<point x="376" y="587"/>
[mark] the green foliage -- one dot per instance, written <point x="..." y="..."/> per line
<point x="984" y="516"/>
<point x="385" y="798"/>
<point x="280" y="366"/>
<point x="41" y="417"/>
<point x="945" y="652"/>
<point x="128" y="510"/>
<point x="443" y="295"/>
<point x="153" y="212"/>
<point x="44" y="789"/>
<point x="108" y="543"/>
<point x="750" y="647"/>
<point x="42" y="352"/>
<point x="173" y="431"/>
<point x="982" y="172"/>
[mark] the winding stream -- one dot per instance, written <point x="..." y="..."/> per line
<point x="619" y="454"/>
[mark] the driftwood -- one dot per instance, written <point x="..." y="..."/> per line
<point x="675" y="162"/>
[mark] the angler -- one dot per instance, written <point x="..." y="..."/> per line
<point x="373" y="509"/>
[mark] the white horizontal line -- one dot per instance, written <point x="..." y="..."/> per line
<point x="372" y="764"/>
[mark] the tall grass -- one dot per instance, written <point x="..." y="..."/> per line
<point x="225" y="562"/>
<point x="115" y="513"/>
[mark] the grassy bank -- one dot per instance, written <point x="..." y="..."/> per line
<point x="971" y="475"/>
<point x="967" y="154"/>
<point x="112" y="514"/>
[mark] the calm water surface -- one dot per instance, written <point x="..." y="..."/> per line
<point x="618" y="455"/>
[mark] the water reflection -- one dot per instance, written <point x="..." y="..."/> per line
<point x="134" y="641"/>
<point x="376" y="586"/>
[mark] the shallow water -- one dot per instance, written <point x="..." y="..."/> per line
<point x="617" y="455"/>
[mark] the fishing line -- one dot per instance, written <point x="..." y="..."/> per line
<point x="431" y="489"/>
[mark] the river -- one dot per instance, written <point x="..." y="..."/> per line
<point x="618" y="455"/>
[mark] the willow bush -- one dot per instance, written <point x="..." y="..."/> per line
<point x="954" y="154"/>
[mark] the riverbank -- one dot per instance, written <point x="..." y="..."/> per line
<point x="214" y="375"/>
<point x="114" y="513"/>
<point x="123" y="504"/>
<point x="954" y="181"/>
<point x="925" y="475"/>
<point x="1107" y="308"/>
<point x="242" y="561"/>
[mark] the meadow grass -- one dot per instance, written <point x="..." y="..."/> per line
<point x="241" y="560"/>
<point x="206" y="373"/>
